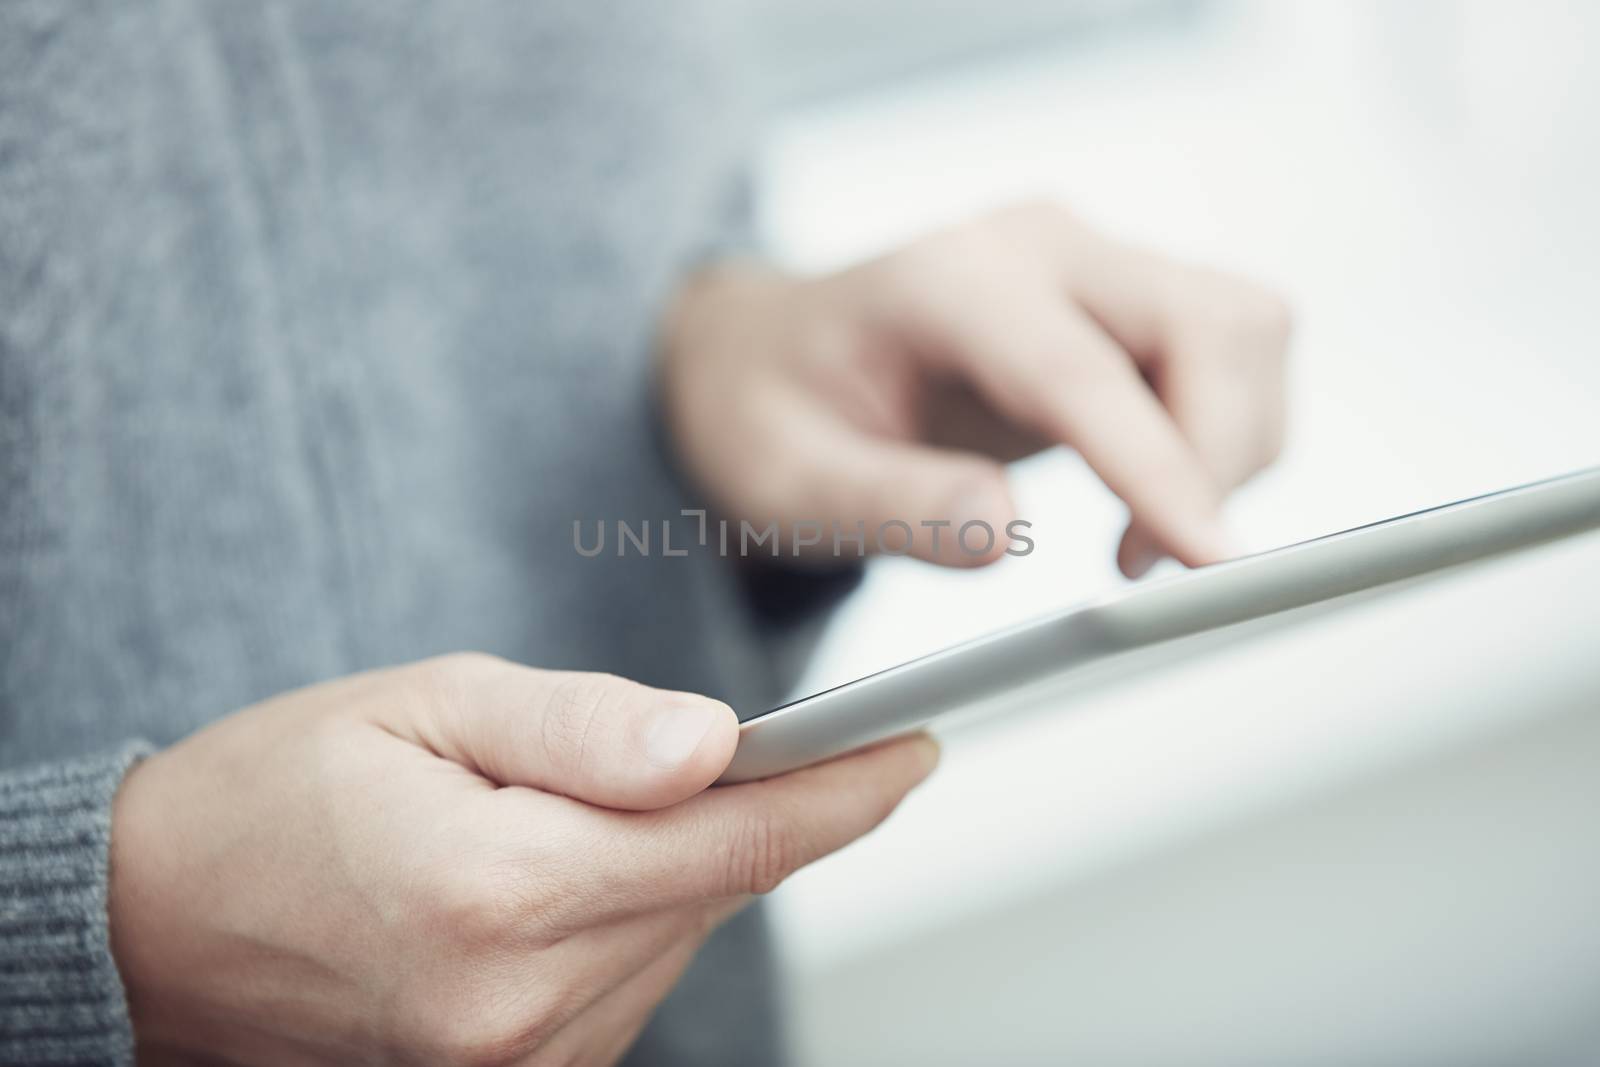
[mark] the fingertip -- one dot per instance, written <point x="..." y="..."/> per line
<point x="1200" y="543"/>
<point x="909" y="760"/>
<point x="902" y="764"/>
<point x="716" y="752"/>
<point x="1211" y="542"/>
<point x="819" y="809"/>
<point x="688" y="742"/>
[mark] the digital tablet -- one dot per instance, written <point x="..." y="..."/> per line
<point x="1134" y="628"/>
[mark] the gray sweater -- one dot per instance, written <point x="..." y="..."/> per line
<point x="319" y="326"/>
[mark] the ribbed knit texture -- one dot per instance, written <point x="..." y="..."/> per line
<point x="60" y="999"/>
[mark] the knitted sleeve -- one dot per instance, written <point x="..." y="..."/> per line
<point x="61" y="1000"/>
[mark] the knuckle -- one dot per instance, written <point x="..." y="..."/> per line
<point x="761" y="857"/>
<point x="465" y="664"/>
<point x="1258" y="317"/>
<point x="488" y="1005"/>
<point x="940" y="262"/>
<point x="578" y="701"/>
<point x="908" y="274"/>
<point x="480" y="1030"/>
<point x="1035" y="213"/>
<point x="1269" y="316"/>
<point x="443" y="678"/>
<point x="472" y="912"/>
<point x="968" y="253"/>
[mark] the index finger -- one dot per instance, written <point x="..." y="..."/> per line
<point x="737" y="840"/>
<point x="1050" y="366"/>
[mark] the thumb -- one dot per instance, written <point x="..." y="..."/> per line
<point x="953" y="506"/>
<point x="593" y="737"/>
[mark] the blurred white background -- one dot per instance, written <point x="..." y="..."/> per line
<point x="1368" y="839"/>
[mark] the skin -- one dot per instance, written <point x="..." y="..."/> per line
<point x="460" y="861"/>
<point x="466" y="861"/>
<point x="897" y="389"/>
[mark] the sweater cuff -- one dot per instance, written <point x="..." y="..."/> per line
<point x="61" y="998"/>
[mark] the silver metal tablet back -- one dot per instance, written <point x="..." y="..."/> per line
<point x="1136" y="627"/>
